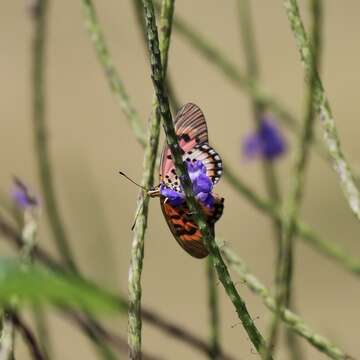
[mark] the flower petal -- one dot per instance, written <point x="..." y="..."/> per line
<point x="252" y="146"/>
<point x="206" y="199"/>
<point x="202" y="184"/>
<point x="174" y="197"/>
<point x="273" y="143"/>
<point x="195" y="169"/>
<point x="267" y="141"/>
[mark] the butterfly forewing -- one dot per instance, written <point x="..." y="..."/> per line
<point x="191" y="130"/>
<point x="190" y="124"/>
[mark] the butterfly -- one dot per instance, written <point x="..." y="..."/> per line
<point x="205" y="169"/>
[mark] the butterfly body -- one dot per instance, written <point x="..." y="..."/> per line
<point x="205" y="169"/>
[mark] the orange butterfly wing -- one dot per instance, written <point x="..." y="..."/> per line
<point x="184" y="228"/>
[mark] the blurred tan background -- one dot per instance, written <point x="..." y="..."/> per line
<point x="91" y="140"/>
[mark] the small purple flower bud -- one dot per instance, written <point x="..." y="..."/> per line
<point x="21" y="196"/>
<point x="267" y="142"/>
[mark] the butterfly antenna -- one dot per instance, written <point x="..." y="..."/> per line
<point x="131" y="180"/>
<point x="137" y="215"/>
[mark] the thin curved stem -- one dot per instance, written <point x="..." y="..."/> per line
<point x="40" y="134"/>
<point x="293" y="203"/>
<point x="115" y="83"/>
<point x="213" y="302"/>
<point x="151" y="149"/>
<point x="322" y="106"/>
<point x="269" y="173"/>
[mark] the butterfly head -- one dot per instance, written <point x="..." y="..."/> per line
<point x="154" y="191"/>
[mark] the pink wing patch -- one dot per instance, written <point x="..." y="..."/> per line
<point x="191" y="129"/>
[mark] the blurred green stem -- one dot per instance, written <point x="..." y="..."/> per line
<point x="291" y="320"/>
<point x="272" y="186"/>
<point x="213" y="299"/>
<point x="303" y="153"/>
<point x="293" y="203"/>
<point x="151" y="149"/>
<point x="322" y="107"/>
<point x="115" y="83"/>
<point x="208" y="238"/>
<point x="40" y="17"/>
<point x="138" y="9"/>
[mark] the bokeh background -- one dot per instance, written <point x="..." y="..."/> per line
<point x="90" y="141"/>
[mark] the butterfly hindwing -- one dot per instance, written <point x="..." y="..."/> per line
<point x="185" y="231"/>
<point x="184" y="228"/>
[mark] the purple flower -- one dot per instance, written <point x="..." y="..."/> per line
<point x="21" y="196"/>
<point x="174" y="197"/>
<point x="267" y="141"/>
<point x="201" y="186"/>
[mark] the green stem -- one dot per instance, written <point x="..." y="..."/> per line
<point x="223" y="274"/>
<point x="322" y="107"/>
<point x="41" y="143"/>
<point x="115" y="83"/>
<point x="138" y="9"/>
<point x="291" y="320"/>
<point x="272" y="186"/>
<point x="151" y="149"/>
<point x="40" y="134"/>
<point x="284" y="287"/>
<point x="212" y="290"/>
<point x="213" y="299"/>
